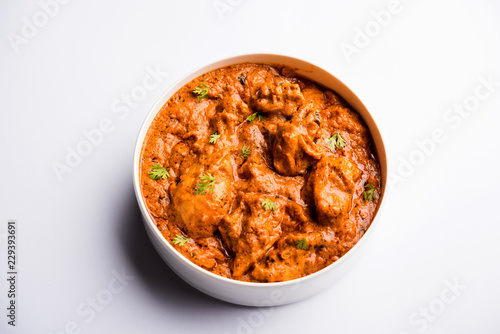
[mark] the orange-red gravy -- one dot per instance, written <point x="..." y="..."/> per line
<point x="310" y="155"/>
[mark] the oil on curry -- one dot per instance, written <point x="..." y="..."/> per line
<point x="258" y="175"/>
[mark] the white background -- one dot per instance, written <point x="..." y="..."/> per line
<point x="440" y="223"/>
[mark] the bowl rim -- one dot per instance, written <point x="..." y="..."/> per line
<point x="210" y="66"/>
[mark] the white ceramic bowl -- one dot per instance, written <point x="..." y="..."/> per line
<point x="247" y="293"/>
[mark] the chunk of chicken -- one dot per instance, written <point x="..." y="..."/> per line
<point x="260" y="178"/>
<point x="284" y="97"/>
<point x="288" y="261"/>
<point x="293" y="150"/>
<point x="200" y="214"/>
<point x="251" y="230"/>
<point x="332" y="183"/>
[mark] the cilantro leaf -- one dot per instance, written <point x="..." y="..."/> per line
<point x="158" y="172"/>
<point x="268" y="205"/>
<point x="207" y="181"/>
<point x="251" y="118"/>
<point x="180" y="240"/>
<point x="302" y="244"/>
<point x="202" y="91"/>
<point x="369" y="194"/>
<point x="214" y="137"/>
<point x="335" y="141"/>
<point x="246" y="151"/>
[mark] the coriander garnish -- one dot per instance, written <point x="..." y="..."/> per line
<point x="302" y="244"/>
<point x="214" y="137"/>
<point x="180" y="240"/>
<point x="268" y="205"/>
<point x="201" y="91"/>
<point x="335" y="141"/>
<point x="207" y="180"/>
<point x="368" y="194"/>
<point x="158" y="172"/>
<point x="251" y="118"/>
<point x="245" y="151"/>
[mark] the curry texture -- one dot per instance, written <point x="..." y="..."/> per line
<point x="277" y="139"/>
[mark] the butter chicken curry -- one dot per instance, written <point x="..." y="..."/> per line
<point x="256" y="174"/>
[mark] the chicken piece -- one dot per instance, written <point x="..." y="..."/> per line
<point x="339" y="117"/>
<point x="332" y="183"/>
<point x="283" y="97"/>
<point x="289" y="265"/>
<point x="207" y="253"/>
<point x="251" y="230"/>
<point x="180" y="159"/>
<point x="250" y="135"/>
<point x="260" y="178"/>
<point x="288" y="261"/>
<point x="309" y="118"/>
<point x="293" y="150"/>
<point x="200" y="214"/>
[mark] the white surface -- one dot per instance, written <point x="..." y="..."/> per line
<point x="441" y="224"/>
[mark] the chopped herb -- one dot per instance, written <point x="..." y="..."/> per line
<point x="214" y="137"/>
<point x="242" y="79"/>
<point x="180" y="240"/>
<point x="207" y="181"/>
<point x="268" y="205"/>
<point x="335" y="141"/>
<point x="368" y="194"/>
<point x="251" y="118"/>
<point x="302" y="244"/>
<point x="158" y="172"/>
<point x="245" y="151"/>
<point x="201" y="91"/>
